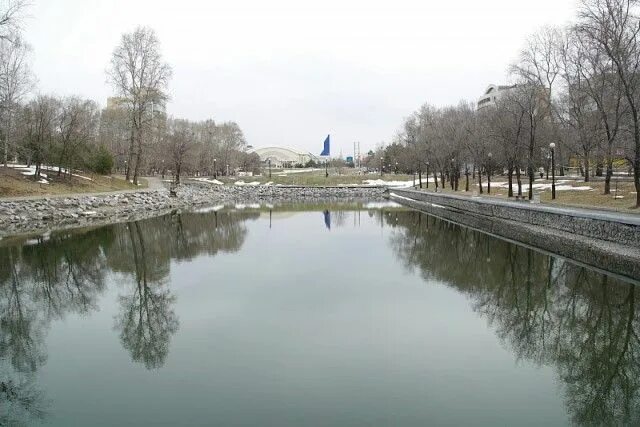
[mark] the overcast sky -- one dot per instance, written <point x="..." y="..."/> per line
<point x="291" y="71"/>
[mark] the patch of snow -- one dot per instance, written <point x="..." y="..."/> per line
<point x="209" y="209"/>
<point x="561" y="185"/>
<point x="209" y="181"/>
<point x="384" y="183"/>
<point x="266" y="184"/>
<point x="252" y="184"/>
<point x="381" y="205"/>
<point x="43" y="181"/>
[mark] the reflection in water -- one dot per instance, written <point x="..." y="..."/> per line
<point x="544" y="309"/>
<point x="549" y="311"/>
<point x="47" y="279"/>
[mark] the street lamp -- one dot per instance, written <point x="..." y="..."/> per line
<point x="427" y="164"/>
<point x="553" y="171"/>
<point x="215" y="171"/>
<point x="381" y="165"/>
<point x="396" y="168"/>
<point x="227" y="170"/>
<point x="489" y="174"/>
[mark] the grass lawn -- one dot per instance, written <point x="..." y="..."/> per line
<point x="566" y="195"/>
<point x="13" y="184"/>
<point x="317" y="178"/>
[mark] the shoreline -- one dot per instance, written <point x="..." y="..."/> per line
<point x="44" y="214"/>
<point x="604" y="241"/>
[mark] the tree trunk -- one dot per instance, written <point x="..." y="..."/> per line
<point x="136" y="169"/>
<point x="531" y="177"/>
<point x="127" y="166"/>
<point x="510" y="177"/>
<point x="466" y="174"/>
<point x="480" y="180"/>
<point x="420" y="177"/>
<point x="519" y="179"/>
<point x="435" y="178"/>
<point x="587" y="166"/>
<point x="609" y="172"/>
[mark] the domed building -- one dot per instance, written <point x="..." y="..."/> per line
<point x="284" y="157"/>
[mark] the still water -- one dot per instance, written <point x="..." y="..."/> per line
<point x="320" y="316"/>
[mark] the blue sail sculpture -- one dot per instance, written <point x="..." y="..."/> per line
<point x="326" y="151"/>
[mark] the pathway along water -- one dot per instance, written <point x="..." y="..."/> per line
<point x="329" y="315"/>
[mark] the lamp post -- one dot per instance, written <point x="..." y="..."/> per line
<point x="396" y="168"/>
<point x="489" y="173"/>
<point x="553" y="171"/>
<point x="227" y="170"/>
<point x="215" y="171"/>
<point x="427" y="164"/>
<point x="269" y="161"/>
<point x="381" y="165"/>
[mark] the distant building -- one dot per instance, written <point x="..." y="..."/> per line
<point x="284" y="157"/>
<point x="492" y="94"/>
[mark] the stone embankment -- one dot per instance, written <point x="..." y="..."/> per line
<point x="609" y="241"/>
<point x="42" y="214"/>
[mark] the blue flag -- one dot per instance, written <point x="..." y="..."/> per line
<point x="326" y="150"/>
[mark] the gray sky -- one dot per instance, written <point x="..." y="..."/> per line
<point x="290" y="72"/>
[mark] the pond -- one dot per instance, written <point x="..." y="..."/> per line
<point x="318" y="315"/>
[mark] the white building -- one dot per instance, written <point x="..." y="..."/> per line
<point x="284" y="157"/>
<point x="492" y="94"/>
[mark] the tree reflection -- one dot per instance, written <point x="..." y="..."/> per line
<point x="47" y="278"/>
<point x="143" y="251"/>
<point x="147" y="320"/>
<point x="550" y="311"/>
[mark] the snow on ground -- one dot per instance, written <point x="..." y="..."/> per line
<point x="287" y="171"/>
<point x="267" y="184"/>
<point x="561" y="185"/>
<point x="382" y="182"/>
<point x="209" y="209"/>
<point x="241" y="206"/>
<point x="252" y="183"/>
<point x="209" y="181"/>
<point x="381" y="205"/>
<point x="31" y="171"/>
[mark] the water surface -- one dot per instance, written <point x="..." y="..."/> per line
<point x="317" y="315"/>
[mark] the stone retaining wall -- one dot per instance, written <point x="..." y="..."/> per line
<point x="519" y="223"/>
<point x="622" y="229"/>
<point x="41" y="214"/>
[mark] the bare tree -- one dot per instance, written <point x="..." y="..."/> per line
<point x="77" y="128"/>
<point x="613" y="26"/>
<point x="15" y="81"/>
<point x="179" y="142"/>
<point x="11" y="16"/>
<point x="39" y="118"/>
<point x="575" y="106"/>
<point x="140" y="76"/>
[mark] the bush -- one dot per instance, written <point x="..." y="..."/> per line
<point x="102" y="161"/>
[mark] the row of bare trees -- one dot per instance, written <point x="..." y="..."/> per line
<point x="576" y="87"/>
<point x="132" y="134"/>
